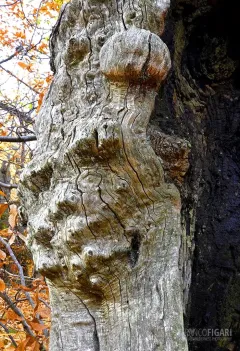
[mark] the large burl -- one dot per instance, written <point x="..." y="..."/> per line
<point x="104" y="227"/>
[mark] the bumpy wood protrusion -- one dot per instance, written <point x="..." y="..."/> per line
<point x="104" y="226"/>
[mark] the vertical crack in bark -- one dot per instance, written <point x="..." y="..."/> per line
<point x="135" y="248"/>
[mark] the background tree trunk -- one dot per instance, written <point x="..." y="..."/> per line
<point x="105" y="226"/>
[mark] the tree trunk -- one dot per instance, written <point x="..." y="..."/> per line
<point x="105" y="226"/>
<point x="118" y="217"/>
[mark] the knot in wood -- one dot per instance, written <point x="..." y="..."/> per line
<point x="135" y="56"/>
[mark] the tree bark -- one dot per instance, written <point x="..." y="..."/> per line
<point x="104" y="224"/>
<point x="200" y="102"/>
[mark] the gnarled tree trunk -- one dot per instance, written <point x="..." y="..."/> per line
<point x="104" y="224"/>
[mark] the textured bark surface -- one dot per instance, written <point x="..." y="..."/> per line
<point x="201" y="102"/>
<point x="105" y="226"/>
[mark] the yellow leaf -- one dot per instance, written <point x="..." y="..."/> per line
<point x="3" y="208"/>
<point x="2" y="285"/>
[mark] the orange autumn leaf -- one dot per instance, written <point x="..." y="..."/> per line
<point x="44" y="312"/>
<point x="2" y="285"/>
<point x="20" y="35"/>
<point x="3" y="208"/>
<point x="49" y="79"/>
<point x="26" y="288"/>
<point x="35" y="346"/>
<point x="22" y="345"/>
<point x="42" y="48"/>
<point x="2" y="343"/>
<point x="40" y="100"/>
<point x="23" y="65"/>
<point x="2" y="193"/>
<point x="37" y="326"/>
<point x="11" y="315"/>
<point x="3" y="132"/>
<point x="26" y="66"/>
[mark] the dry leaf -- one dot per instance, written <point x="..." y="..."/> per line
<point x="2" y="343"/>
<point x="13" y="215"/>
<point x="12" y="239"/>
<point x="2" y="285"/>
<point x="35" y="346"/>
<point x="37" y="326"/>
<point x="11" y="315"/>
<point x="2" y="255"/>
<point x="3" y="208"/>
<point x="22" y="345"/>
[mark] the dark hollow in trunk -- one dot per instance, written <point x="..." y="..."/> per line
<point x="201" y="103"/>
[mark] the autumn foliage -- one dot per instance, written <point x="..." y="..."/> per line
<point x="25" y="28"/>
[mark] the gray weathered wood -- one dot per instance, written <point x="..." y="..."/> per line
<point x="104" y="225"/>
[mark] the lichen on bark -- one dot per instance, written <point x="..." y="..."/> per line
<point x="104" y="226"/>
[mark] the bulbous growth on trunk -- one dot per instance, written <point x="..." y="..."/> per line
<point x="104" y="226"/>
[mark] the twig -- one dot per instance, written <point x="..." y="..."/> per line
<point x="20" y="269"/>
<point x="9" y="57"/>
<point x="8" y="333"/>
<point x="15" y="112"/>
<point x="13" y="3"/>
<point x="8" y="186"/>
<point x="44" y="302"/>
<point x="18" y="50"/>
<point x="14" y="275"/>
<point x="22" y="279"/>
<point x="18" y="139"/>
<point x="11" y="304"/>
<point x="20" y="80"/>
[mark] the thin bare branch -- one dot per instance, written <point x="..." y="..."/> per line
<point x="20" y="269"/>
<point x="17" y="51"/>
<point x="11" y="304"/>
<point x="22" y="279"/>
<point x="44" y="302"/>
<point x="20" y="80"/>
<point x="8" y="186"/>
<point x="18" y="139"/>
<point x="14" y="275"/>
<point x="13" y="3"/>
<point x="15" y="112"/>
<point x="8" y="332"/>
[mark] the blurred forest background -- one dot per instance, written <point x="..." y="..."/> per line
<point x="25" y="27"/>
